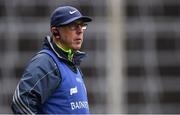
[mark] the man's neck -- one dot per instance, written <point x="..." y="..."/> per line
<point x="68" y="51"/>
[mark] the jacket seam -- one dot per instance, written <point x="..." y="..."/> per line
<point x="29" y="92"/>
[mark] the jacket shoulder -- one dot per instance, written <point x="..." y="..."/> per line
<point x="40" y="65"/>
<point x="43" y="59"/>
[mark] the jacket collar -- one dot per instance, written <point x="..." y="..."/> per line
<point x="77" y="57"/>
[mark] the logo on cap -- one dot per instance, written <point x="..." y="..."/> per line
<point x="72" y="12"/>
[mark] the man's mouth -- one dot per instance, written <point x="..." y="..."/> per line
<point x="78" y="39"/>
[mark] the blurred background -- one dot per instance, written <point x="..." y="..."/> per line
<point x="133" y="63"/>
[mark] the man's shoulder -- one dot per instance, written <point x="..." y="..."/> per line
<point x="41" y="57"/>
<point x="42" y="60"/>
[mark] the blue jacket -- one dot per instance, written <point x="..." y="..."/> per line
<point x="41" y="79"/>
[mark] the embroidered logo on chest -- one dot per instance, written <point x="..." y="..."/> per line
<point x="73" y="90"/>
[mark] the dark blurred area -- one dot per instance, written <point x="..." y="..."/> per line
<point x="153" y="63"/>
<point x="151" y="70"/>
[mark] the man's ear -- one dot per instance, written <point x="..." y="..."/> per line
<point x="55" y="32"/>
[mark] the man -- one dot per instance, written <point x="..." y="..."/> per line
<point x="52" y="82"/>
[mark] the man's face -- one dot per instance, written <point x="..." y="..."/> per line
<point x="72" y="35"/>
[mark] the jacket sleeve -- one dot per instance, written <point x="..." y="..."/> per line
<point x="39" y="80"/>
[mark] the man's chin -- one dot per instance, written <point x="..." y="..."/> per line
<point x="77" y="48"/>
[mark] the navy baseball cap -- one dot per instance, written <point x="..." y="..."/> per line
<point x="65" y="15"/>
